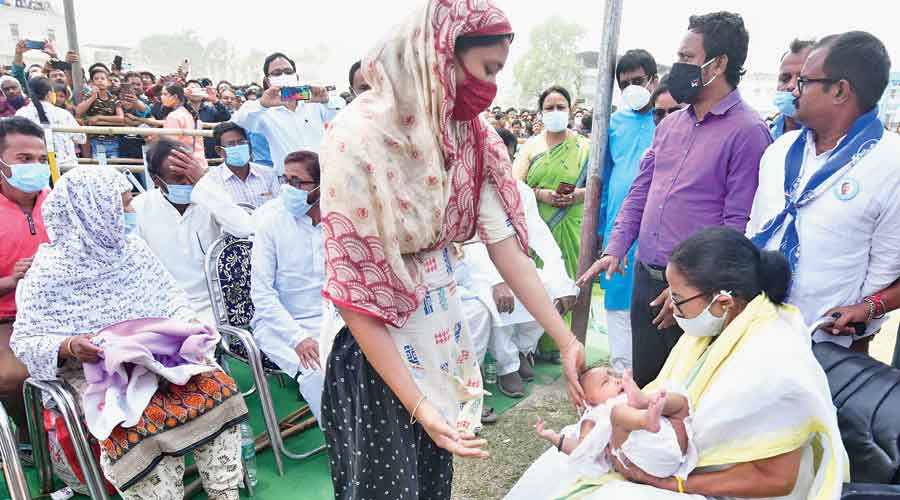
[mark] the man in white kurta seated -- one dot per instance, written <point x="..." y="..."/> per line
<point x="512" y="334"/>
<point x="287" y="275"/>
<point x="181" y="219"/>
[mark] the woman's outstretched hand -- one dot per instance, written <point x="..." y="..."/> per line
<point x="573" y="364"/>
<point x="459" y="444"/>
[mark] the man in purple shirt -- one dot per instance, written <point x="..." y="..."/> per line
<point x="700" y="171"/>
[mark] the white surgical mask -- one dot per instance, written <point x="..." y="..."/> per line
<point x="636" y="97"/>
<point x="704" y="324"/>
<point x="555" y="121"/>
<point x="291" y="80"/>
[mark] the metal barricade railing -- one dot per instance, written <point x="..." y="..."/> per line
<point x="12" y="465"/>
<point x="134" y="165"/>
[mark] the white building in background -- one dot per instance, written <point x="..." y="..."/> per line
<point x="889" y="106"/>
<point x="32" y="20"/>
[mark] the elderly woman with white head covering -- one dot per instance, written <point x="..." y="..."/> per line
<point x="92" y="275"/>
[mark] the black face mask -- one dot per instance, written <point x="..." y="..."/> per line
<point x="686" y="81"/>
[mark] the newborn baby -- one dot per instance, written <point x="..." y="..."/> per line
<point x="652" y="431"/>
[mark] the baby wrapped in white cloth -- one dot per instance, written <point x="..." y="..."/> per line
<point x="650" y="431"/>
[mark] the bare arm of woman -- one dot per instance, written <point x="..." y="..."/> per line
<point x="377" y="345"/>
<point x="519" y="273"/>
<point x="769" y="477"/>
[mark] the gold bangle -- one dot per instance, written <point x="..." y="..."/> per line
<point x="680" y="484"/>
<point x="412" y="415"/>
<point x="68" y="347"/>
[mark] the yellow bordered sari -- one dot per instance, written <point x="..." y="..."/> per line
<point x="758" y="394"/>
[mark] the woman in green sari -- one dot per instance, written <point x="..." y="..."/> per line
<point x="554" y="164"/>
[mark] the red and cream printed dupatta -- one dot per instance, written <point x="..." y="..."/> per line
<point x="399" y="176"/>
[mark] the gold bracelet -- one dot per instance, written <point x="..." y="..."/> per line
<point x="68" y="347"/>
<point x="680" y="484"/>
<point x="412" y="415"/>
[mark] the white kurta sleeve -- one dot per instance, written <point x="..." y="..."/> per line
<point x="249" y="116"/>
<point x="541" y="240"/>
<point x="271" y="323"/>
<point x="884" y="266"/>
<point x="232" y="218"/>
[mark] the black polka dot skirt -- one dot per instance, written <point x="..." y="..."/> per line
<point x="375" y="453"/>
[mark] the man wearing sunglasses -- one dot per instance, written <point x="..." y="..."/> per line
<point x="663" y="103"/>
<point x="287" y="276"/>
<point x="630" y="134"/>
<point x="829" y="194"/>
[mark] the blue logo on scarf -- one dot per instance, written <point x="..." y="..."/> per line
<point x="860" y="140"/>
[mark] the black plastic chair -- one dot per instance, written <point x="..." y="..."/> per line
<point x="866" y="394"/>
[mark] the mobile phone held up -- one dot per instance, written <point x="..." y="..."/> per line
<point x="61" y="65"/>
<point x="301" y="93"/>
<point x="565" y="188"/>
<point x="35" y="44"/>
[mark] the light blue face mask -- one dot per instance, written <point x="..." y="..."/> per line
<point x="28" y="177"/>
<point x="237" y="156"/>
<point x="129" y="220"/>
<point x="179" y="194"/>
<point x="785" y="102"/>
<point x="555" y="121"/>
<point x="296" y="201"/>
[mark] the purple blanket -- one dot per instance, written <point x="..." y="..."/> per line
<point x="136" y="354"/>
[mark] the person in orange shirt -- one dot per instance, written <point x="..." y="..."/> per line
<point x="24" y="181"/>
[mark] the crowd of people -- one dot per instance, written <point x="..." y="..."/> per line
<point x="404" y="231"/>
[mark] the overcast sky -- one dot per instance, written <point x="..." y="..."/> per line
<point x="352" y="26"/>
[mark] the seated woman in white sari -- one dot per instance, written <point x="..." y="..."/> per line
<point x="762" y="417"/>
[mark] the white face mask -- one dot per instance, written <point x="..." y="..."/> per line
<point x="635" y="97"/>
<point x="291" y="80"/>
<point x="704" y="324"/>
<point x="555" y="121"/>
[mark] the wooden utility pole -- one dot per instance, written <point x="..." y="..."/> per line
<point x="72" y="36"/>
<point x="606" y="64"/>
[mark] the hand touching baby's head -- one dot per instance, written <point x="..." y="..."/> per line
<point x="600" y="384"/>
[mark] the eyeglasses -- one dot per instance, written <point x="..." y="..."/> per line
<point x="279" y="72"/>
<point x="678" y="303"/>
<point x="803" y="81"/>
<point x="232" y="144"/>
<point x="640" y="81"/>
<point x="661" y="113"/>
<point x="294" y="181"/>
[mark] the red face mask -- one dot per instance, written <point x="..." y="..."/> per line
<point x="473" y="96"/>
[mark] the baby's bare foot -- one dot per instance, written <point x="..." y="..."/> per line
<point x="636" y="398"/>
<point x="654" y="411"/>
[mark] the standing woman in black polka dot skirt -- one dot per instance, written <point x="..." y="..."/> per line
<point x="407" y="169"/>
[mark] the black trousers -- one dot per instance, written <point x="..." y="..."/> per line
<point x="650" y="346"/>
<point x="375" y="453"/>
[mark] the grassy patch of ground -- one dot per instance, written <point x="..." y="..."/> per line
<point x="513" y="445"/>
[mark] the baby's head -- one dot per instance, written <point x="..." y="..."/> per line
<point x="600" y="384"/>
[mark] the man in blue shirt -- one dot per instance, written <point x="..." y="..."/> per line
<point x="630" y="134"/>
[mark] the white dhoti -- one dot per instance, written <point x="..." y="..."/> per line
<point x="618" y="327"/>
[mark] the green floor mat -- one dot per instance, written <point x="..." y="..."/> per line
<point x="311" y="479"/>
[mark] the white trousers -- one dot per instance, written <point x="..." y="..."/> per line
<point x="618" y="327"/>
<point x="503" y="342"/>
<point x="311" y="383"/>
